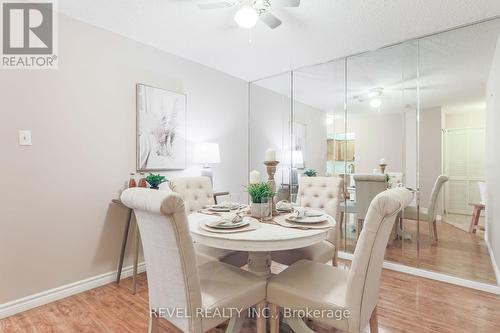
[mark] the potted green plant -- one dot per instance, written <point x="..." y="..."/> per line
<point x="154" y="181"/>
<point x="311" y="172"/>
<point x="260" y="195"/>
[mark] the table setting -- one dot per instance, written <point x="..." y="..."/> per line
<point x="236" y="217"/>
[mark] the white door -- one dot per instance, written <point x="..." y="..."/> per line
<point x="464" y="165"/>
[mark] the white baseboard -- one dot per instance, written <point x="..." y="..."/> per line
<point x="48" y="296"/>
<point x="493" y="261"/>
<point x="490" y="288"/>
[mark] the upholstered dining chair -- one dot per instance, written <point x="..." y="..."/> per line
<point x="175" y="279"/>
<point x="367" y="187"/>
<point x="197" y="192"/>
<point x="315" y="286"/>
<point x="322" y="193"/>
<point x="428" y="214"/>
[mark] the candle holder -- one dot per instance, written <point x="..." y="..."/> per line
<point x="271" y="170"/>
<point x="382" y="168"/>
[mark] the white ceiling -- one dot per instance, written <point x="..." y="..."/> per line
<point x="317" y="31"/>
<point x="454" y="68"/>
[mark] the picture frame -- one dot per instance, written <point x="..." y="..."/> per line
<point x="161" y="129"/>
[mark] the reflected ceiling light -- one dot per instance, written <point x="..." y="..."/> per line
<point x="369" y="95"/>
<point x="375" y="103"/>
<point x="246" y="17"/>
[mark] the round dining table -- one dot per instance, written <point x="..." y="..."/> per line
<point x="259" y="243"/>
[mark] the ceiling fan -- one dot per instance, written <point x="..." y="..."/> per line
<point x="251" y="11"/>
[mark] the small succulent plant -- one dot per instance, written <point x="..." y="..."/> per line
<point x="155" y="180"/>
<point x="311" y="172"/>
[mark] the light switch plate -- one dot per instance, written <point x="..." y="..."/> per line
<point x="25" y="138"/>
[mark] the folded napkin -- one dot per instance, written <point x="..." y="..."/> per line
<point x="230" y="218"/>
<point x="284" y="205"/>
<point x="299" y="212"/>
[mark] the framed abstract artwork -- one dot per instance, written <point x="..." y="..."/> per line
<point x="161" y="129"/>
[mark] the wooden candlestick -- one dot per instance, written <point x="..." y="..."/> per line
<point x="382" y="168"/>
<point x="271" y="170"/>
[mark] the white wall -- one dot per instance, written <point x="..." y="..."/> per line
<point x="269" y="128"/>
<point x="468" y="119"/>
<point x="493" y="159"/>
<point x="377" y="136"/>
<point x="57" y="225"/>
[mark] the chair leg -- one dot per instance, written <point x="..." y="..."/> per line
<point x="261" y="319"/>
<point x="374" y="321"/>
<point x="334" y="259"/>
<point x="431" y="233"/>
<point x="153" y="324"/>
<point x="274" y="320"/>
<point x="434" y="225"/>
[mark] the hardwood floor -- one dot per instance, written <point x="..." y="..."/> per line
<point x="457" y="253"/>
<point x="407" y="304"/>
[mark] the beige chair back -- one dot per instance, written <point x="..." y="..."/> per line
<point x="433" y="202"/>
<point x="173" y="280"/>
<point x="367" y="187"/>
<point x="364" y="276"/>
<point x="324" y="193"/>
<point x="196" y="192"/>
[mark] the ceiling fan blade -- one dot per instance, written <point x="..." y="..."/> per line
<point x="286" y="3"/>
<point x="270" y="20"/>
<point x="215" y="5"/>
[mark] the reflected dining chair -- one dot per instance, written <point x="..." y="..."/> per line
<point x="308" y="285"/>
<point x="176" y="280"/>
<point x="428" y="214"/>
<point x="322" y="193"/>
<point x="478" y="207"/>
<point x="367" y="187"/>
<point x="197" y="192"/>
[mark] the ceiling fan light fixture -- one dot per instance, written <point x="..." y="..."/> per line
<point x="375" y="103"/>
<point x="246" y="17"/>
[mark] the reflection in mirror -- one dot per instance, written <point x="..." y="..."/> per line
<point x="319" y="108"/>
<point x="418" y="115"/>
<point x="381" y="122"/>
<point x="455" y="68"/>
<point x="270" y="119"/>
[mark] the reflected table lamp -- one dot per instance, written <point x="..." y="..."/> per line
<point x="207" y="153"/>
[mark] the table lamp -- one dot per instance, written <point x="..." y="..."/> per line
<point x="207" y="153"/>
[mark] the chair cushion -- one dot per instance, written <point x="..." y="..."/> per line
<point x="224" y="287"/>
<point x="320" y="252"/>
<point x="196" y="191"/>
<point x="311" y="285"/>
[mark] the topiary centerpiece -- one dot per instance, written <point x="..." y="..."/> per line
<point x="155" y="180"/>
<point x="260" y="195"/>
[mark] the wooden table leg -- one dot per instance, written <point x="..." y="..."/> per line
<point x="260" y="263"/>
<point x="124" y="245"/>
<point x="136" y="259"/>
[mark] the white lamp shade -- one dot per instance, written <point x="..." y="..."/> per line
<point x="206" y="152"/>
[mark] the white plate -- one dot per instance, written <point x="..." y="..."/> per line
<point x="307" y="219"/>
<point x="313" y="213"/>
<point x="227" y="225"/>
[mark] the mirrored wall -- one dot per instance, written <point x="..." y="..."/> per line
<point x="412" y="115"/>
